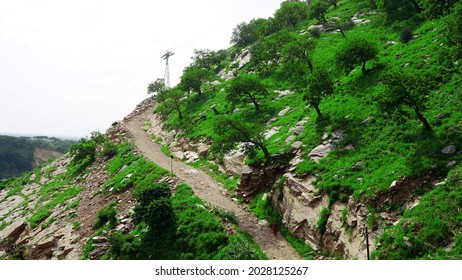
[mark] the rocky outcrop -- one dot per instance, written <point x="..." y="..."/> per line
<point x="329" y="143"/>
<point x="233" y="162"/>
<point x="11" y="233"/>
<point x="300" y="204"/>
<point x="255" y="179"/>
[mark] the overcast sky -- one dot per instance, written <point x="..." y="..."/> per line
<point x="68" y="68"/>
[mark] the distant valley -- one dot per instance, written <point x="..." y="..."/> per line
<point x="20" y="154"/>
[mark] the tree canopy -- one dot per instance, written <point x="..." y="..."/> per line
<point x="192" y="79"/>
<point x="290" y="13"/>
<point x="246" y="88"/>
<point x="299" y="53"/>
<point x="404" y="90"/>
<point x="244" y="34"/>
<point x="320" y="85"/>
<point x="228" y="131"/>
<point x="354" y="52"/>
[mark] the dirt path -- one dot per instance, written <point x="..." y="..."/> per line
<point x="212" y="192"/>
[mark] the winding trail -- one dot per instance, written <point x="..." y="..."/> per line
<point x="207" y="189"/>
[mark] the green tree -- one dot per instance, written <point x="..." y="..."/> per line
<point x="398" y="9"/>
<point x="354" y="52"/>
<point x="170" y="101"/>
<point x="266" y="54"/>
<point x="320" y="85"/>
<point x="319" y="9"/>
<point x="158" y="86"/>
<point x="266" y="27"/>
<point x="192" y="79"/>
<point x="404" y="90"/>
<point x="228" y="131"/>
<point x="209" y="59"/>
<point x="299" y="53"/>
<point x="154" y="207"/>
<point x="244" y="34"/>
<point x="436" y="8"/>
<point x="334" y="3"/>
<point x="245" y="88"/>
<point x="290" y="13"/>
<point x="454" y="29"/>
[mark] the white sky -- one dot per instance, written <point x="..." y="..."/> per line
<point x="68" y="68"/>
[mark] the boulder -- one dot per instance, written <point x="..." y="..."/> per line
<point x="297" y="145"/>
<point x="321" y="151"/>
<point x="233" y="162"/>
<point x="244" y="59"/>
<point x="99" y="239"/>
<point x="263" y="223"/>
<point x="283" y="112"/>
<point x="12" y="232"/>
<point x="283" y="93"/>
<point x="449" y="150"/>
<point x="273" y="131"/>
<point x="191" y="156"/>
<point x="203" y="150"/>
<point x="290" y="138"/>
<point x="178" y="155"/>
<point x="366" y="121"/>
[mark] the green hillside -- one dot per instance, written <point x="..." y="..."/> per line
<point x="384" y="74"/>
<point x="17" y="154"/>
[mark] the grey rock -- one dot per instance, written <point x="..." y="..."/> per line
<point x="449" y="150"/>
<point x="283" y="112"/>
<point x="203" y="149"/>
<point x="290" y="138"/>
<point x="366" y="121"/>
<point x="442" y="116"/>
<point x="299" y="130"/>
<point x="297" y="145"/>
<point x="99" y="239"/>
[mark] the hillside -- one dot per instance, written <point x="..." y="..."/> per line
<point x="327" y="119"/>
<point x="20" y="154"/>
<point x="354" y="112"/>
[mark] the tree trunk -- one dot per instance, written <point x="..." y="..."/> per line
<point x="318" y="111"/>
<point x="341" y="31"/>
<point x="416" y="6"/>
<point x="364" y="68"/>
<point x="254" y="101"/>
<point x="310" y="65"/>
<point x="422" y="119"/>
<point x="266" y="153"/>
<point x="180" y="116"/>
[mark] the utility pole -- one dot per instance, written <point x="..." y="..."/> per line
<point x="366" y="235"/>
<point x="167" y="68"/>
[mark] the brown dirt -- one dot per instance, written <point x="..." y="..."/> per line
<point x="42" y="155"/>
<point x="209" y="190"/>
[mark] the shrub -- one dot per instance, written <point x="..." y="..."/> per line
<point x="122" y="246"/>
<point x="237" y="249"/>
<point x="322" y="222"/>
<point x="109" y="150"/>
<point x="315" y="32"/>
<point x="406" y="35"/>
<point x="334" y="195"/>
<point x="107" y="214"/>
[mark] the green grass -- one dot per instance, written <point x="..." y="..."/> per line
<point x="230" y="182"/>
<point x="59" y="198"/>
<point x="429" y="227"/>
<point x="164" y="149"/>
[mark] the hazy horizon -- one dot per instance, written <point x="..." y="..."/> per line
<point x="70" y="68"/>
